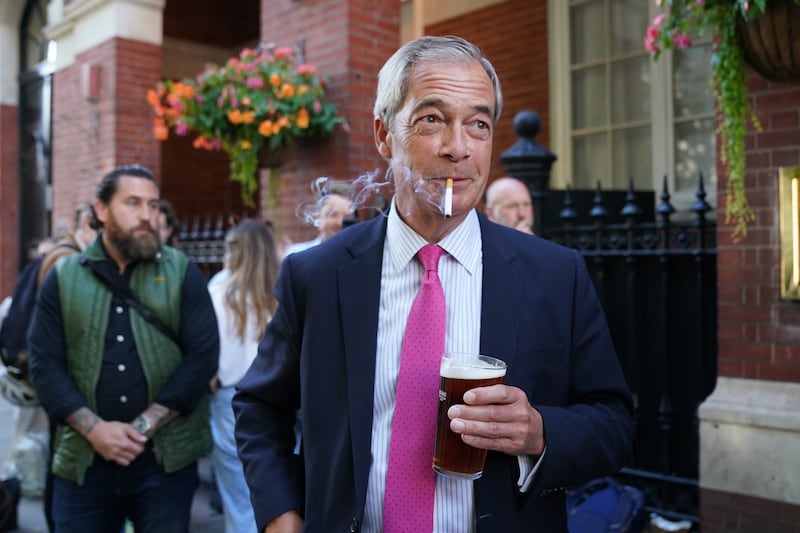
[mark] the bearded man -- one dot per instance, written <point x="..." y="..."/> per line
<point x="129" y="398"/>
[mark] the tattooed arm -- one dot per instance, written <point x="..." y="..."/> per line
<point x="114" y="441"/>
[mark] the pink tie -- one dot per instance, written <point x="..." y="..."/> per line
<point x="410" y="479"/>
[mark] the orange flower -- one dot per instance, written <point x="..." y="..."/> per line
<point x="238" y="117"/>
<point x="160" y="129"/>
<point x="287" y="90"/>
<point x="153" y="98"/>
<point x="245" y="144"/>
<point x="275" y="79"/>
<point x="201" y="142"/>
<point x="265" y="128"/>
<point x="303" y="89"/>
<point x="302" y="118"/>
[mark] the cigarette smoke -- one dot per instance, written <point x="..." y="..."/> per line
<point x="370" y="193"/>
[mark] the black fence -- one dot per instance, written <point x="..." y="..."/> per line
<point x="203" y="239"/>
<point x="657" y="281"/>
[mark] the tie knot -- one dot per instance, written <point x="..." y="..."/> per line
<point x="429" y="256"/>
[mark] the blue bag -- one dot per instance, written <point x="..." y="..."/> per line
<point x="605" y="505"/>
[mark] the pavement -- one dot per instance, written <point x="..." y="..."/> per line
<point x="30" y="518"/>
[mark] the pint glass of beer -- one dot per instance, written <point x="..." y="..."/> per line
<point x="459" y="373"/>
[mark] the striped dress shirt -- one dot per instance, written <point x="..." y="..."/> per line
<point x="461" y="272"/>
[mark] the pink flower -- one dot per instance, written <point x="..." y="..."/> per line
<point x="658" y="19"/>
<point x="699" y="2"/>
<point x="653" y="32"/>
<point x="306" y="69"/>
<point x="181" y="128"/>
<point x="746" y="5"/>
<point x="255" y="82"/>
<point x="317" y="106"/>
<point x="283" y="52"/>
<point x="650" y="45"/>
<point x="681" y="40"/>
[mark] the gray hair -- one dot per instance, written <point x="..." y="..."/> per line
<point x="393" y="78"/>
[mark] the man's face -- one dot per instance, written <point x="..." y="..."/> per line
<point x="512" y="207"/>
<point x="130" y="220"/>
<point x="334" y="210"/>
<point x="443" y="130"/>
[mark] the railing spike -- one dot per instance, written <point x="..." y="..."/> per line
<point x="598" y="210"/>
<point x="568" y="213"/>
<point x="665" y="208"/>
<point x="630" y="209"/>
<point x="700" y="206"/>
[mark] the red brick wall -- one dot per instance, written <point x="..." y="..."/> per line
<point x="724" y="512"/>
<point x="347" y="40"/>
<point x="91" y="138"/>
<point x="9" y="198"/>
<point x="759" y="334"/>
<point x="521" y="61"/>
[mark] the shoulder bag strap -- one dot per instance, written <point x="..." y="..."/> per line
<point x="125" y="293"/>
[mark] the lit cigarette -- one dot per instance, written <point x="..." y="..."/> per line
<point x="448" y="198"/>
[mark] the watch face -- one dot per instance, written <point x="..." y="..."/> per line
<point x="142" y="425"/>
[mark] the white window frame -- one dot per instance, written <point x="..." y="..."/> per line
<point x="662" y="123"/>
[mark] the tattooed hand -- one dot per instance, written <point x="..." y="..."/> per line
<point x="114" y="441"/>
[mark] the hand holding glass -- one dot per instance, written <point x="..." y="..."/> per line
<point x="459" y="373"/>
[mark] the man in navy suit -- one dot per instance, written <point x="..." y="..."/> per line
<point x="333" y="347"/>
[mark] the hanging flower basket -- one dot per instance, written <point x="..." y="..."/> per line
<point x="252" y="108"/>
<point x="771" y="41"/>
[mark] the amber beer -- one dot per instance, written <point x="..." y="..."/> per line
<point x="459" y="373"/>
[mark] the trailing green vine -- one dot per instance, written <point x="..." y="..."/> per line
<point x="672" y="29"/>
<point x="730" y="92"/>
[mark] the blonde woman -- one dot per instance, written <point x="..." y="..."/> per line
<point x="243" y="304"/>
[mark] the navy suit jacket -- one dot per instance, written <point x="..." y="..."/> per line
<point x="539" y="313"/>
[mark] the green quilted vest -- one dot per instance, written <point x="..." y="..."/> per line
<point x="85" y="305"/>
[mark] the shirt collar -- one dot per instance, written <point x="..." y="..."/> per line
<point x="463" y="243"/>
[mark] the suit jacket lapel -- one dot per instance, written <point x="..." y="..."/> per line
<point x="500" y="298"/>
<point x="359" y="299"/>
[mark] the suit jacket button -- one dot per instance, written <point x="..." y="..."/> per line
<point x="354" y="525"/>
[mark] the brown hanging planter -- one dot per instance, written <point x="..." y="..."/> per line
<point x="771" y="41"/>
<point x="274" y="158"/>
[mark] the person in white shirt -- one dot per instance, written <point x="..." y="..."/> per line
<point x="243" y="303"/>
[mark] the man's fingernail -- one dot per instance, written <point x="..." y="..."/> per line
<point x="457" y="426"/>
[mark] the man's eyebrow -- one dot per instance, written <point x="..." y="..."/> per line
<point x="438" y="103"/>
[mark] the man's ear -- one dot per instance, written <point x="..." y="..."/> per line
<point x="383" y="138"/>
<point x="100" y="210"/>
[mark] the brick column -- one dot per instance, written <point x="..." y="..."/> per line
<point x="347" y="40"/>
<point x="109" y="55"/>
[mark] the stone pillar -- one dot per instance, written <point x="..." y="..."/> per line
<point x="749" y="467"/>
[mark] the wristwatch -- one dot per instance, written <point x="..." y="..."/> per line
<point x="143" y="426"/>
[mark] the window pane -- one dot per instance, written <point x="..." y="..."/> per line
<point x="632" y="159"/>
<point x="692" y="81"/>
<point x="590" y="161"/>
<point x="587" y="31"/>
<point x="630" y="90"/>
<point x="694" y="153"/>
<point x="589" y="98"/>
<point x="629" y="18"/>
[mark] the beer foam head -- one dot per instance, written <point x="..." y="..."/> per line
<point x="455" y="369"/>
